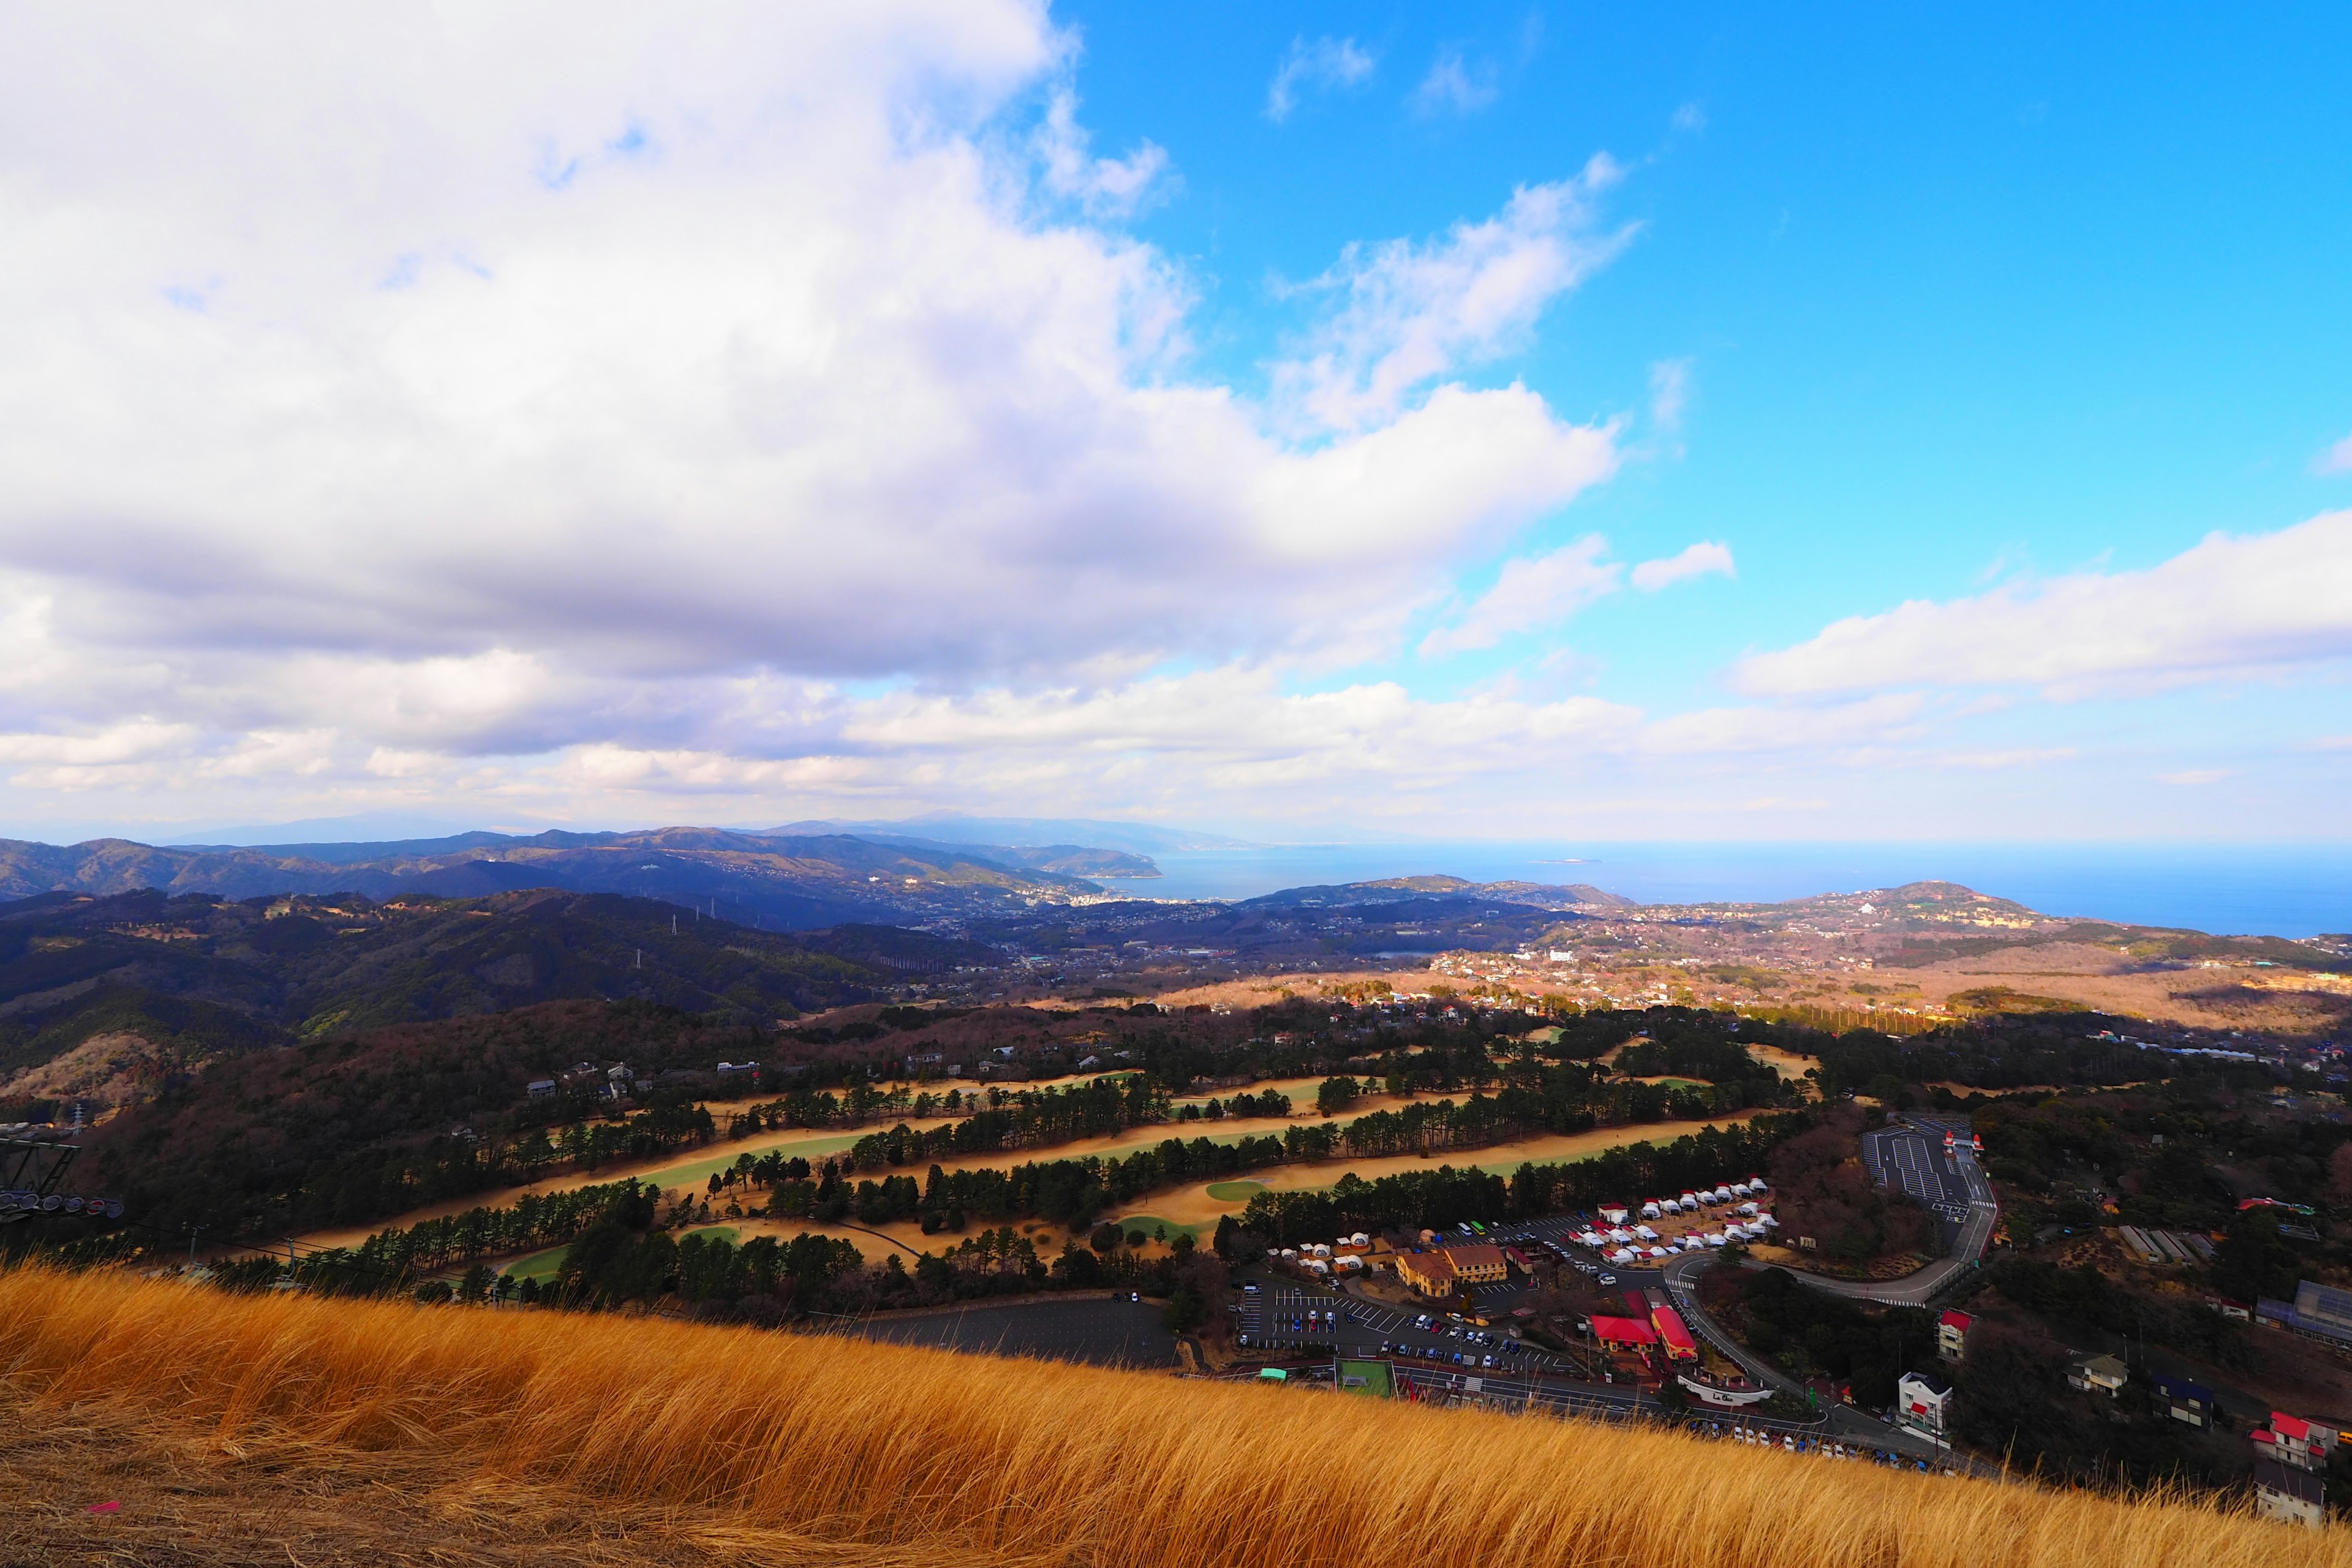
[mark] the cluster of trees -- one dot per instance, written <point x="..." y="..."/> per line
<point x="1823" y="1190"/>
<point x="622" y="1258"/>
<point x="2013" y="1399"/>
<point x="1810" y="1331"/>
<point x="1067" y="1192"/>
<point x="1030" y="1119"/>
<point x="1445" y="1196"/>
<point x="1273" y="1102"/>
<point x="533" y="1220"/>
<point x="2083" y="1296"/>
<point x="1998" y="1052"/>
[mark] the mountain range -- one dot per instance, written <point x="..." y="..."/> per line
<point x="780" y="881"/>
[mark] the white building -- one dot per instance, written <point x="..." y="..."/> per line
<point x="1920" y="1404"/>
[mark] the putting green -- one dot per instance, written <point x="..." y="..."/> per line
<point x="1234" y="1192"/>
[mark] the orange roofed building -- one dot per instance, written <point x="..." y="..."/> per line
<point x="1436" y="1273"/>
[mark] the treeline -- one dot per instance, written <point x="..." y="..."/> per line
<point x="532" y="1221"/>
<point x="1066" y="1192"/>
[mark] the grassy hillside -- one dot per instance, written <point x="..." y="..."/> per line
<point x="633" y="1440"/>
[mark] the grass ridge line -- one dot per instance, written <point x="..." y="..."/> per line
<point x="892" y="1446"/>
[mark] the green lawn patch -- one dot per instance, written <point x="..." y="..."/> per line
<point x="1149" y="1225"/>
<point x="1238" y="1192"/>
<point x="539" y="1265"/>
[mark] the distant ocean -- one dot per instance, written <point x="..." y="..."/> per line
<point x="2272" y="890"/>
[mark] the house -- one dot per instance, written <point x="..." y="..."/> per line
<point x="739" y="1069"/>
<point x="2098" y="1373"/>
<point x="2289" y="1496"/>
<point x="1951" y="1332"/>
<point x="542" y="1088"/>
<point x="1920" y="1400"/>
<point x="917" y="1061"/>
<point x="2186" y="1402"/>
<point x="2293" y="1442"/>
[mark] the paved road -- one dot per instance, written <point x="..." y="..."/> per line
<point x="1959" y="1179"/>
<point x="1844" y="1422"/>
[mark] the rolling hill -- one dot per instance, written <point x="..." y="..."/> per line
<point x="107" y="998"/>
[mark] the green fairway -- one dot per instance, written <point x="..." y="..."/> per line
<point x="539" y="1265"/>
<point x="731" y="1234"/>
<point x="1150" y="1224"/>
<point x="1234" y="1192"/>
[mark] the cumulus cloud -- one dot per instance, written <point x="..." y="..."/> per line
<point x="2229" y="606"/>
<point x="492" y="384"/>
<point x="1454" y="85"/>
<point x="1325" y="64"/>
<point x="1407" y="312"/>
<point x="2336" y="459"/>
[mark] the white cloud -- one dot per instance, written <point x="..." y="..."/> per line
<point x="1532" y="592"/>
<point x="1669" y="393"/>
<point x="1694" y="560"/>
<point x="1689" y="119"/>
<point x="503" y="384"/>
<point x="1455" y="86"/>
<point x="1721" y="731"/>
<point x="1326" y="63"/>
<point x="2336" y="459"/>
<point x="2228" y="606"/>
<point x="1409" y="312"/>
<point x="1539" y="591"/>
<point x="1106" y="186"/>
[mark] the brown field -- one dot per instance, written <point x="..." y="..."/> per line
<point x="2098" y="977"/>
<point x="282" y="1428"/>
<point x="1194" y="1205"/>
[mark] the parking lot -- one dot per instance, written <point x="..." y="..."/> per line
<point x="1106" y="1333"/>
<point x="1912" y="1159"/>
<point x="1280" y="1316"/>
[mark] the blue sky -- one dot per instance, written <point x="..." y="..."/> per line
<point x="1530" y="422"/>
<point x="1961" y="295"/>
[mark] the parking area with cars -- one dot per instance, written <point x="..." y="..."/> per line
<point x="1280" y="1317"/>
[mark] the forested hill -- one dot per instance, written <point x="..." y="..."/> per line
<point x="110" y="997"/>
<point x="781" y="883"/>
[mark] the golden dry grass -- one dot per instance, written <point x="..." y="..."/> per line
<point x="770" y="1448"/>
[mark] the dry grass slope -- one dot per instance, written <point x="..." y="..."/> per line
<point x="777" y="1448"/>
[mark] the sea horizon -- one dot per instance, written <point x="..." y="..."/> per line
<point x="2284" y="889"/>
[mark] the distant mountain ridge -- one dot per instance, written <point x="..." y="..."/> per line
<point x="955" y="827"/>
<point x="776" y="882"/>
